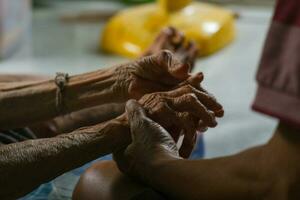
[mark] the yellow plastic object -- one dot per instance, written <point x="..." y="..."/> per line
<point x="131" y="31"/>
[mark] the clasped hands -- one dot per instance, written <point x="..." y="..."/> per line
<point x="157" y="120"/>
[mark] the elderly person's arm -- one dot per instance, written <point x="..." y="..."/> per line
<point x="38" y="100"/>
<point x="153" y="158"/>
<point x="25" y="165"/>
<point x="169" y="38"/>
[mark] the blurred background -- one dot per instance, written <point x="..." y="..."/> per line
<point x="49" y="36"/>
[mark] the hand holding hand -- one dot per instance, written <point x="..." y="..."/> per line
<point x="157" y="121"/>
<point x="158" y="72"/>
<point x="149" y="141"/>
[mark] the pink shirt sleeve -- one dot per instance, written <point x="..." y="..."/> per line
<point x="278" y="76"/>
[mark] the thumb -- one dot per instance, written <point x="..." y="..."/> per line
<point x="136" y="115"/>
<point x="134" y="110"/>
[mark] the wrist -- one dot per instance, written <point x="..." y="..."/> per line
<point x="107" y="136"/>
<point x="149" y="170"/>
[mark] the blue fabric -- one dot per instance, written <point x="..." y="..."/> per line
<point x="54" y="190"/>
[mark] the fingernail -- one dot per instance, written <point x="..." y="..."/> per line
<point x="219" y="113"/>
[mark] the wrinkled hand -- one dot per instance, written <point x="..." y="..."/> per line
<point x="150" y="141"/>
<point x="158" y="72"/>
<point x="158" y="119"/>
<point x="173" y="40"/>
<point x="183" y="111"/>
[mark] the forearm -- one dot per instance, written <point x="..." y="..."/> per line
<point x="37" y="100"/>
<point x="87" y="117"/>
<point x="234" y="177"/>
<point x="5" y="78"/>
<point x="25" y="165"/>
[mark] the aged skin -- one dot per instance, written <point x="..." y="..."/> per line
<point x="175" y="41"/>
<point x="169" y="38"/>
<point x="152" y="161"/>
<point x="113" y="85"/>
<point x="90" y="98"/>
<point x="271" y="171"/>
<point x="103" y="112"/>
<point x="37" y="160"/>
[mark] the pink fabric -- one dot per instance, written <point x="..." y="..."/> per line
<point x="277" y="104"/>
<point x="287" y="12"/>
<point x="278" y="94"/>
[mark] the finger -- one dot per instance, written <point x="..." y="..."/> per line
<point x="218" y="110"/>
<point x="134" y="111"/>
<point x="201" y="127"/>
<point x="210" y="102"/>
<point x="167" y="118"/>
<point x="178" y="39"/>
<point x="178" y="69"/>
<point x="204" y="97"/>
<point x="188" y="145"/>
<point x="193" y="49"/>
<point x="190" y="103"/>
<point x="171" y="31"/>
<point x="189" y="130"/>
<point x="164" y="36"/>
<point x="185" y="87"/>
<point x="182" y="90"/>
<point x="137" y="119"/>
<point x="195" y="79"/>
<point x="192" y="52"/>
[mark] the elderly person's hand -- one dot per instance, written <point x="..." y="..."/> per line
<point x="184" y="110"/>
<point x="158" y="72"/>
<point x="98" y="92"/>
<point x="174" y="40"/>
<point x="150" y="143"/>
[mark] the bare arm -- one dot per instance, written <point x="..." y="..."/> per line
<point x="24" y="103"/>
<point x="69" y="122"/>
<point x="153" y="158"/>
<point x="235" y="177"/>
<point x="44" y="159"/>
<point x="37" y="100"/>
